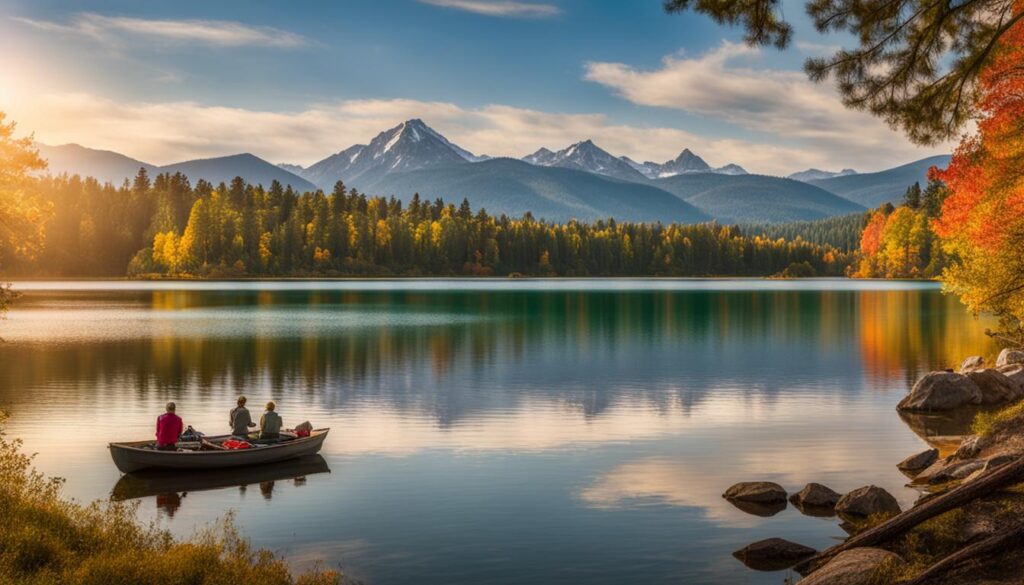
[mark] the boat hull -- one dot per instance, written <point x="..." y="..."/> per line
<point x="130" y="457"/>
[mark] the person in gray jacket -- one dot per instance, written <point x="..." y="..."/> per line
<point x="240" y="419"/>
<point x="270" y="423"/>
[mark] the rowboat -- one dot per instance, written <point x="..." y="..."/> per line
<point x="138" y="455"/>
<point x="154" y="482"/>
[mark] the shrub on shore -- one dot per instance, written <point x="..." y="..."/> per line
<point x="47" y="539"/>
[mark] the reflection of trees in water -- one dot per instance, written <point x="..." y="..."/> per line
<point x="940" y="334"/>
<point x="584" y="349"/>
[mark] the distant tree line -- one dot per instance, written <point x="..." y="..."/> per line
<point x="842" y="232"/>
<point x="164" y="226"/>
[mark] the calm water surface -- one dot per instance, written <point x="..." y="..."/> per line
<point x="492" y="431"/>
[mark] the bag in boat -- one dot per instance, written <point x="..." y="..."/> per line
<point x="236" y="444"/>
<point x="303" y="429"/>
<point x="191" y="435"/>
<point x="191" y="439"/>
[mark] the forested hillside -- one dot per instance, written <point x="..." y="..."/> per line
<point x="756" y="198"/>
<point x="842" y="232"/>
<point x="165" y="226"/>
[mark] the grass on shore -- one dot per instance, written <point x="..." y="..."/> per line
<point x="990" y="423"/>
<point x="48" y="540"/>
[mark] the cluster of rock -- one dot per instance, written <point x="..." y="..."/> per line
<point x="973" y="385"/>
<point x="814" y="499"/>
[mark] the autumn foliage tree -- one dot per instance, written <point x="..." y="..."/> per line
<point x="22" y="213"/>
<point x="982" y="221"/>
<point x="900" y="242"/>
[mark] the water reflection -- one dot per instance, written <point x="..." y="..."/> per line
<point x="155" y="482"/>
<point x="342" y="345"/>
<point x="169" y="488"/>
<point x="941" y="430"/>
<point x="494" y="435"/>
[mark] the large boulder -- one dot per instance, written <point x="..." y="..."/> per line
<point x="919" y="462"/>
<point x="1009" y="357"/>
<point x="773" y="554"/>
<point x="941" y="391"/>
<point x="975" y="362"/>
<point x="815" y="495"/>
<point x="762" y="492"/>
<point x="867" y="501"/>
<point x="996" y="387"/>
<point x="858" y="566"/>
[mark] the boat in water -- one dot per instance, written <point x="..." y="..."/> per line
<point x="209" y="454"/>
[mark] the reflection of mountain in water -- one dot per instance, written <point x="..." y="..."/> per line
<point x="452" y="353"/>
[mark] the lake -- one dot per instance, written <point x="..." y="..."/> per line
<point x="492" y="431"/>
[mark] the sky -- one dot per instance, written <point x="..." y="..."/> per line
<point x="165" y="81"/>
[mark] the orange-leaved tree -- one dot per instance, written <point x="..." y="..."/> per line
<point x="982" y="220"/>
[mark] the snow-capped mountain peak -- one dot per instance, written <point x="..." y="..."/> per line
<point x="408" y="146"/>
<point x="543" y="157"/>
<point x="686" y="162"/>
<point x="585" y="156"/>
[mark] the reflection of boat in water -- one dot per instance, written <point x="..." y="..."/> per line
<point x="138" y="455"/>
<point x="162" y="482"/>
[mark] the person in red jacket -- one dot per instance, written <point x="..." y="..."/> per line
<point x="168" y="429"/>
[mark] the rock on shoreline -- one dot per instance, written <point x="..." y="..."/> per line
<point x="815" y="495"/>
<point x="941" y="391"/>
<point x="918" y="462"/>
<point x="867" y="501"/>
<point x="759" y="492"/>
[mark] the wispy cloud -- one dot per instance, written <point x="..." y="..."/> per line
<point x="218" y="33"/>
<point x="727" y="85"/>
<point x="816" y="48"/>
<point x="500" y="8"/>
<point x="176" y="131"/>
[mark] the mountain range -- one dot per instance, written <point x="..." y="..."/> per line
<point x="818" y="174"/>
<point x="686" y="162"/>
<point x="112" y="167"/>
<point x="581" y="181"/>
<point x="888" y="186"/>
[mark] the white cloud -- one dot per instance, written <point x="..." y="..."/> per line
<point x="500" y="8"/>
<point x="725" y="84"/>
<point x="221" y="33"/>
<point x="166" y="132"/>
<point x="816" y="48"/>
<point x="173" y="131"/>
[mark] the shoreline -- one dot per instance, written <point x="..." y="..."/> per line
<point x="964" y="527"/>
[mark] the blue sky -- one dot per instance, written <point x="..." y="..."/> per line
<point x="295" y="81"/>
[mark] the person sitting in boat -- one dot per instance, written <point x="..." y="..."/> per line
<point x="240" y="419"/>
<point x="168" y="429"/>
<point x="270" y="423"/>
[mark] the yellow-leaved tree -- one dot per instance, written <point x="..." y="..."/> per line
<point x="22" y="213"/>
